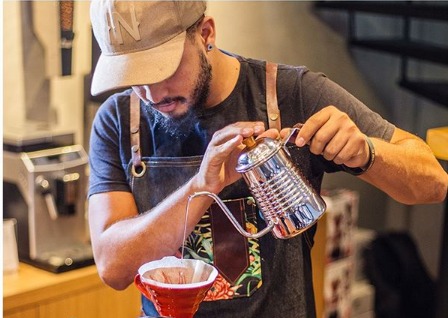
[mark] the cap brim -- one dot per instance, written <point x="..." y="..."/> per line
<point x="138" y="68"/>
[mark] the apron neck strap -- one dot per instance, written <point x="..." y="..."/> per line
<point x="135" y="132"/>
<point x="271" y="96"/>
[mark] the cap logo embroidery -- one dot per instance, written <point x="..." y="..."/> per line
<point x="117" y="21"/>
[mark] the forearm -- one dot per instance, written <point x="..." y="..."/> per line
<point x="125" y="244"/>
<point x="407" y="171"/>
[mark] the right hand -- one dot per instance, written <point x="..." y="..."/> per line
<point x="218" y="165"/>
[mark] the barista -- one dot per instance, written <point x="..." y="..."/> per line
<point x="196" y="103"/>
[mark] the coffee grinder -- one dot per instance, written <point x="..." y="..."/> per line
<point x="44" y="189"/>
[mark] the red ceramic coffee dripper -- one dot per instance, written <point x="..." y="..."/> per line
<point x="176" y="286"/>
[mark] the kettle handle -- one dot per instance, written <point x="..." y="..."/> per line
<point x="294" y="130"/>
<point x="231" y="218"/>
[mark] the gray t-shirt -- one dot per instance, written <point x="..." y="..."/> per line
<point x="286" y="264"/>
<point x="301" y="93"/>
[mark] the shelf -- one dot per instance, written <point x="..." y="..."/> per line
<point x="433" y="10"/>
<point x="413" y="49"/>
<point x="437" y="139"/>
<point x="434" y="91"/>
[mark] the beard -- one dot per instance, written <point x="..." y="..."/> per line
<point x="181" y="126"/>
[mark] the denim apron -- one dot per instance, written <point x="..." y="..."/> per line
<point x="147" y="178"/>
<point x="242" y="293"/>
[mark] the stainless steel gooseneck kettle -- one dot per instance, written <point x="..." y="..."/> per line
<point x="286" y="200"/>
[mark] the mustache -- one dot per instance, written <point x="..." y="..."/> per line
<point x="167" y="100"/>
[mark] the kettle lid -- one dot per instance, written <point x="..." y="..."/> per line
<point x="257" y="152"/>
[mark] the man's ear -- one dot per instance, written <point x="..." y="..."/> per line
<point x="208" y="31"/>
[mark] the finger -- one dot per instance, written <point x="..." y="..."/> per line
<point x="284" y="132"/>
<point x="220" y="152"/>
<point x="345" y="154"/>
<point x="270" y="133"/>
<point x="216" y="156"/>
<point x="244" y="129"/>
<point x="355" y="154"/>
<point x="288" y="135"/>
<point x="257" y="126"/>
<point x="323" y="137"/>
<point x="311" y="126"/>
<point x="334" y="149"/>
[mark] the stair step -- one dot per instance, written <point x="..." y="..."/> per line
<point x="434" y="91"/>
<point x="434" y="10"/>
<point x="413" y="49"/>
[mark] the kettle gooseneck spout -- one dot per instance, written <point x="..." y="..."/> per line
<point x="231" y="218"/>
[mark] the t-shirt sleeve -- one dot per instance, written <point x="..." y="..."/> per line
<point x="105" y="156"/>
<point x="319" y="91"/>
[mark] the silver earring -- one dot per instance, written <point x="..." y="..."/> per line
<point x="209" y="47"/>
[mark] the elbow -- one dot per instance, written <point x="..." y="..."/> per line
<point x="437" y="196"/>
<point x="441" y="188"/>
<point x="112" y="277"/>
<point x="434" y="192"/>
<point x="441" y="191"/>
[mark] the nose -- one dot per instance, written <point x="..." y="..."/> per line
<point x="157" y="91"/>
<point x="152" y="92"/>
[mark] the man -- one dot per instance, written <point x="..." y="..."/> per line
<point x="195" y="105"/>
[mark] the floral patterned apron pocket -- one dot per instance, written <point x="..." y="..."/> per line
<point x="238" y="261"/>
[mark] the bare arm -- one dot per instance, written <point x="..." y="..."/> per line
<point x="404" y="168"/>
<point x="123" y="240"/>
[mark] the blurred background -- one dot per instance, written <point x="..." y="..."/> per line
<point x="45" y="89"/>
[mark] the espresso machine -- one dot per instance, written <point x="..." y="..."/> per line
<point x="44" y="189"/>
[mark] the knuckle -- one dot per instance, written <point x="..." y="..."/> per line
<point x="341" y="158"/>
<point x="216" y="134"/>
<point x="316" y="148"/>
<point x="328" y="156"/>
<point x="352" y="129"/>
<point x="344" y="117"/>
<point x="319" y="138"/>
<point x="330" y="152"/>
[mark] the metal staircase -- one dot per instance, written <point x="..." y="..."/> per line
<point x="404" y="46"/>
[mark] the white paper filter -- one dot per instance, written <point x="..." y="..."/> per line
<point x="173" y="272"/>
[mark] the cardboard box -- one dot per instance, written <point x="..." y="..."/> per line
<point x="363" y="298"/>
<point x="363" y="237"/>
<point x="333" y="254"/>
<point x="337" y="288"/>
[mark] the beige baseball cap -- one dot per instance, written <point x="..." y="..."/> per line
<point x="141" y="41"/>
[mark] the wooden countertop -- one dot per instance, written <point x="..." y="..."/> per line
<point x="437" y="139"/>
<point x="30" y="285"/>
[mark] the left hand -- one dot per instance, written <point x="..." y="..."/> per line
<point x="217" y="169"/>
<point x="332" y="134"/>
